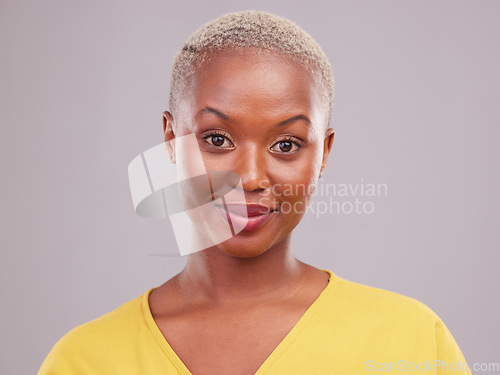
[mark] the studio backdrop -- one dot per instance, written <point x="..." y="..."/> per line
<point x="408" y="202"/>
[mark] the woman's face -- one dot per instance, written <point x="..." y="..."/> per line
<point x="260" y="116"/>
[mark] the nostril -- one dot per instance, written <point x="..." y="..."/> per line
<point x="264" y="184"/>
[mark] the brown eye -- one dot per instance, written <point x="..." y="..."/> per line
<point x="287" y="146"/>
<point x="218" y="140"/>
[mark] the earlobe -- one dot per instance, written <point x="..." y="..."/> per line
<point x="168" y="131"/>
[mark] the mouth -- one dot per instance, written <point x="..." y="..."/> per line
<point x="245" y="217"/>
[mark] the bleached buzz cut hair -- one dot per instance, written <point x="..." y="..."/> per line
<point x="259" y="29"/>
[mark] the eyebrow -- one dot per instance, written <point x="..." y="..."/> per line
<point x="215" y="112"/>
<point x="282" y="123"/>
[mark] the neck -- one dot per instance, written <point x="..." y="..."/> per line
<point x="214" y="277"/>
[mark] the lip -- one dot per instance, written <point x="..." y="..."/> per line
<point x="249" y="217"/>
<point x="250" y="209"/>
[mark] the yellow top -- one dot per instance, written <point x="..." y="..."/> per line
<point x="349" y="329"/>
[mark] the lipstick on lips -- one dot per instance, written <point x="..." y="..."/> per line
<point x="246" y="216"/>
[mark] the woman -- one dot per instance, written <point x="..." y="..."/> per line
<point x="257" y="92"/>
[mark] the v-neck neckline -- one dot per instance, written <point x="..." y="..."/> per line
<point x="269" y="361"/>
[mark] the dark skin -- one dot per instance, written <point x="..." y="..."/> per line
<point x="233" y="303"/>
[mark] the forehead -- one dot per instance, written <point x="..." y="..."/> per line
<point x="265" y="84"/>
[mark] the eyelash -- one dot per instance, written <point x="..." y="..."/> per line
<point x="297" y="142"/>
<point x="212" y="133"/>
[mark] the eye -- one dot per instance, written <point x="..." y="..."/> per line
<point x="288" y="145"/>
<point x="218" y="139"/>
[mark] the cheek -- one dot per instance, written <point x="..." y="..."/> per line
<point x="295" y="180"/>
<point x="304" y="167"/>
<point x="218" y="162"/>
<point x="189" y="159"/>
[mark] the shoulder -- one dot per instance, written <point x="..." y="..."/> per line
<point x="388" y="319"/>
<point x="91" y="340"/>
<point x="372" y="304"/>
<point x="113" y="324"/>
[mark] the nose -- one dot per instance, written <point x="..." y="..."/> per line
<point x="251" y="166"/>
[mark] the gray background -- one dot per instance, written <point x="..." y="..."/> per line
<point x="83" y="87"/>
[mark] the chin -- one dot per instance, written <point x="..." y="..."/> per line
<point x="244" y="254"/>
<point x="244" y="246"/>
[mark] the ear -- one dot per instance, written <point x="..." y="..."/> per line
<point x="327" y="146"/>
<point x="168" y="130"/>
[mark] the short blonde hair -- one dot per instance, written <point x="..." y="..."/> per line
<point x="252" y="29"/>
